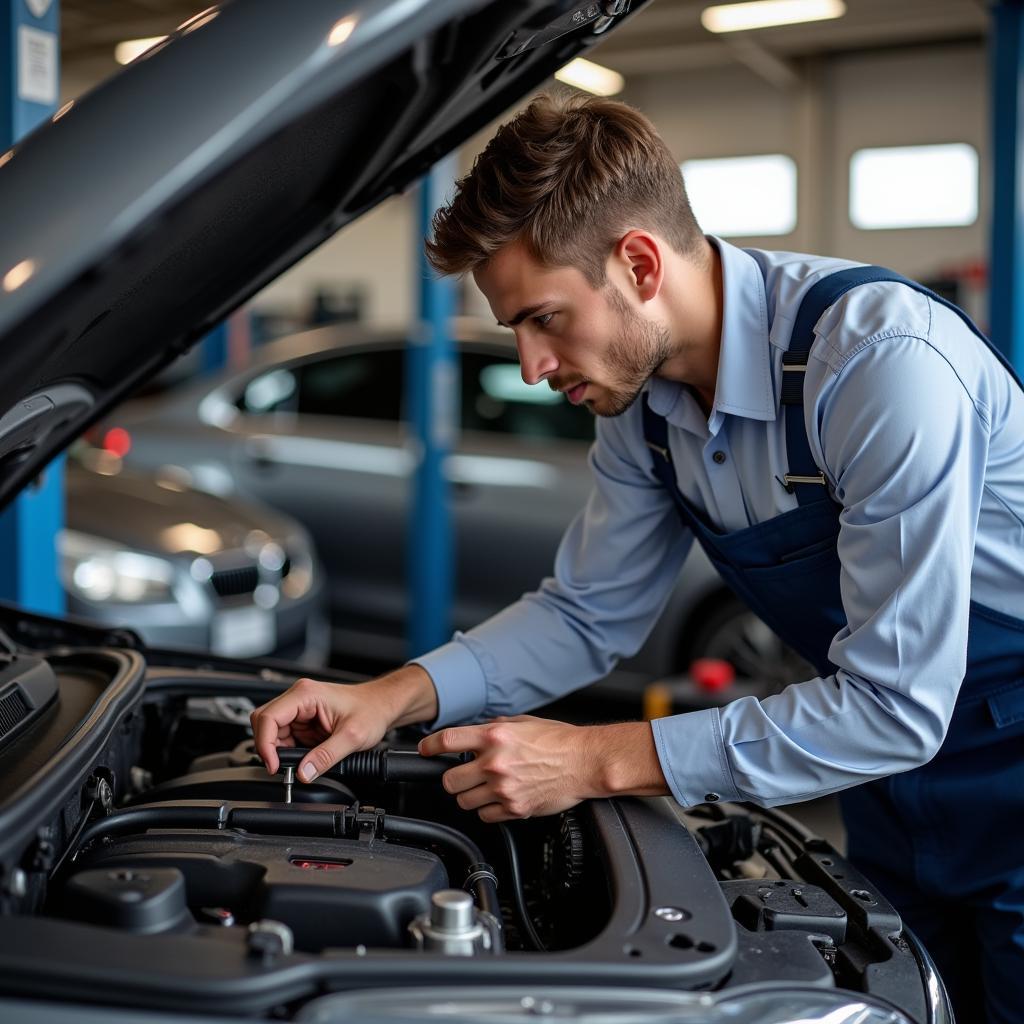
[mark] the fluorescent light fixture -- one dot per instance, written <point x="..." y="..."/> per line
<point x="766" y="13"/>
<point x="746" y="196"/>
<point x="591" y="77"/>
<point x="914" y="187"/>
<point x="126" y="52"/>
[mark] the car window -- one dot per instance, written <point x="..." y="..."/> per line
<point x="273" y="391"/>
<point x="365" y="385"/>
<point x="495" y="399"/>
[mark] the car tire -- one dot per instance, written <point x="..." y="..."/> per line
<point x="732" y="632"/>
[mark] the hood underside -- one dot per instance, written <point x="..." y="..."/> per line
<point x="144" y="214"/>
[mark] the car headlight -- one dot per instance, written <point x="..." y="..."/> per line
<point x="101" y="571"/>
<point x="299" y="567"/>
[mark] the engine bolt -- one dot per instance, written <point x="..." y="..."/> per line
<point x="671" y="914"/>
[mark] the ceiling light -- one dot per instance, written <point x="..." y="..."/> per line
<point x="126" y="52"/>
<point x="342" y="30"/>
<point x="765" y="13"/>
<point x="591" y="77"/>
<point x="18" y="275"/>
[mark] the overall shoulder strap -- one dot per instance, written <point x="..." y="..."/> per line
<point x="804" y="477"/>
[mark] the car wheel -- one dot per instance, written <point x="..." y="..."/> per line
<point x="732" y="632"/>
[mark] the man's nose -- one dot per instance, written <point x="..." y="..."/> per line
<point x="536" y="360"/>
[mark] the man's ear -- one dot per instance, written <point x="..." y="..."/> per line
<point x="639" y="254"/>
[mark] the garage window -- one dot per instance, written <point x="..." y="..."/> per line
<point x="914" y="187"/>
<point x="743" y="195"/>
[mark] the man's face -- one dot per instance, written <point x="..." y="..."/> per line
<point x="587" y="343"/>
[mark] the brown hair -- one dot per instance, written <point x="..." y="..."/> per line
<point x="567" y="177"/>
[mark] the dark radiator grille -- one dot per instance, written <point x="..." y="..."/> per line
<point x="13" y="709"/>
<point x="229" y="582"/>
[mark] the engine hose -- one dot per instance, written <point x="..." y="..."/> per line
<point x="218" y="816"/>
<point x="379" y="765"/>
<point x="518" y="892"/>
<point x="481" y="878"/>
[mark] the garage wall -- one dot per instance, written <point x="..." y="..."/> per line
<point x="898" y="97"/>
<point x="376" y="253"/>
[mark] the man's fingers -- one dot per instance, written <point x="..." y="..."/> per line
<point x="478" y="796"/>
<point x="492" y="813"/>
<point x="466" y="776"/>
<point x="271" y="728"/>
<point x="325" y="756"/>
<point x="454" y="741"/>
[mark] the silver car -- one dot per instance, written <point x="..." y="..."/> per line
<point x="186" y="569"/>
<point x="314" y="427"/>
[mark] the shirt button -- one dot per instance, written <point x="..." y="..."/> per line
<point x="719" y="457"/>
<point x="710" y="798"/>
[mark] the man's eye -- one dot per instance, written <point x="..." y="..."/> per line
<point x="544" y="319"/>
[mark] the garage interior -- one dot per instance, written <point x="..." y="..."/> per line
<point x="348" y="466"/>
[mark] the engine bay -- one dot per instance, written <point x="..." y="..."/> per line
<point x="149" y="860"/>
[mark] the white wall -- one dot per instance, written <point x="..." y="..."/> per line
<point x="897" y="97"/>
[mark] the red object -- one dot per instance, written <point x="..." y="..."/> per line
<point x="712" y="674"/>
<point x="319" y="865"/>
<point x="118" y="442"/>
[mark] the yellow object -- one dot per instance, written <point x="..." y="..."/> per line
<point x="657" y="701"/>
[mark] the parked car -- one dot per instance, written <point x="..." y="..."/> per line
<point x="187" y="569"/>
<point x="147" y="864"/>
<point x="314" y="427"/>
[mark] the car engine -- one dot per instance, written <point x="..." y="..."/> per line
<point x="149" y="860"/>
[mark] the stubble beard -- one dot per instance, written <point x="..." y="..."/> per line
<point x="639" y="350"/>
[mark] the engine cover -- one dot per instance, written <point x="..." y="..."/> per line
<point x="330" y="892"/>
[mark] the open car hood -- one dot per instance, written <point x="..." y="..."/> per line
<point x="147" y="211"/>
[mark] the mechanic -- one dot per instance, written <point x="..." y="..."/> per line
<point x="848" y="449"/>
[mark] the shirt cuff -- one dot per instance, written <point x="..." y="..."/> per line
<point x="459" y="682"/>
<point x="692" y="755"/>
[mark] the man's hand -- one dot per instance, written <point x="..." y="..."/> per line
<point x="526" y="766"/>
<point x="336" y="719"/>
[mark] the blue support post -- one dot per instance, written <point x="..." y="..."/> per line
<point x="431" y="390"/>
<point x="29" y="91"/>
<point x="1006" y="277"/>
<point x="214" y="348"/>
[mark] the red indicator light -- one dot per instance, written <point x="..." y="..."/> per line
<point x="320" y="865"/>
<point x="712" y="674"/>
<point x="117" y="441"/>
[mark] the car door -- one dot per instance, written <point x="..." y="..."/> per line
<point x="518" y="479"/>
<point x="322" y="441"/>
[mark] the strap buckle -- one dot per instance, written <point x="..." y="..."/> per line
<point x="789" y="479"/>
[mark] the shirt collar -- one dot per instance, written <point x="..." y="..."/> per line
<point x="744" y="383"/>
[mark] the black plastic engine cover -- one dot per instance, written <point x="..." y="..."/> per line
<point x="333" y="892"/>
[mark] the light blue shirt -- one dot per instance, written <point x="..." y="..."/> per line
<point x="919" y="432"/>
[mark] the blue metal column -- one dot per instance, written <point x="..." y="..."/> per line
<point x="214" y="348"/>
<point x="29" y="80"/>
<point x="1006" y="278"/>
<point x="431" y="392"/>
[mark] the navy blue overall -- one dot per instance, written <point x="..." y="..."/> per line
<point x="945" y="842"/>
